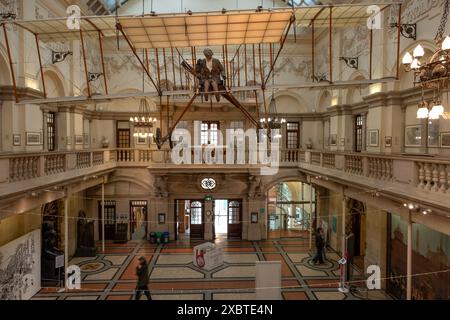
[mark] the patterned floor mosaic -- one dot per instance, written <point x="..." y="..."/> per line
<point x="110" y="275"/>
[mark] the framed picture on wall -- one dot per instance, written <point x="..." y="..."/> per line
<point x="445" y="139"/>
<point x="79" y="139"/>
<point x="33" y="138"/>
<point x="254" y="217"/>
<point x="374" y="138"/>
<point x="413" y="136"/>
<point x="161" y="218"/>
<point x="17" y="139"/>
<point x="141" y="140"/>
<point x="333" y="139"/>
<point x="388" y="141"/>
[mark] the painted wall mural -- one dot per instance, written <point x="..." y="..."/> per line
<point x="431" y="254"/>
<point x="20" y="267"/>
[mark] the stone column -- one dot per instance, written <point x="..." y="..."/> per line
<point x="208" y="233"/>
<point x="344" y="213"/>
<point x="409" y="260"/>
<point x="403" y="122"/>
<point x="66" y="238"/>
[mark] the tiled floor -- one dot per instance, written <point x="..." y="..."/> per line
<point x="110" y="275"/>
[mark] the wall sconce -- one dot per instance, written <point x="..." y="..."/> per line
<point x="320" y="77"/>
<point x="94" y="76"/>
<point x="351" y="62"/>
<point x="407" y="30"/>
<point x="8" y="16"/>
<point x="60" y="56"/>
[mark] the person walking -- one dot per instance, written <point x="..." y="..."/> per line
<point x="142" y="281"/>
<point x="320" y="243"/>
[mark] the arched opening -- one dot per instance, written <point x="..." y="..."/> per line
<point x="5" y="75"/>
<point x="291" y="208"/>
<point x="288" y="103"/>
<point x="355" y="94"/>
<point x="53" y="84"/>
<point x="324" y="101"/>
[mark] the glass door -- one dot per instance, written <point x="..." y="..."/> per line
<point x="220" y="217"/>
<point x="138" y="219"/>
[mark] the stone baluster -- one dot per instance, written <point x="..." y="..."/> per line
<point x="383" y="163"/>
<point x="447" y="172"/>
<point x="62" y="161"/>
<point x="28" y="168"/>
<point x="12" y="169"/>
<point x="442" y="178"/>
<point x="390" y="169"/>
<point x="427" y="176"/>
<point x="435" y="178"/>
<point x="21" y="171"/>
<point x="379" y="163"/>
<point x="15" y="172"/>
<point x="36" y="167"/>
<point x="421" y="175"/>
<point x="378" y="173"/>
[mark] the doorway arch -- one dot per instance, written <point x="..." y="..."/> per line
<point x="291" y="208"/>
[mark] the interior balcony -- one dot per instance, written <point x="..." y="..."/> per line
<point x="414" y="178"/>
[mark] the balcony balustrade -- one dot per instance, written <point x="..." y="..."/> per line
<point x="431" y="175"/>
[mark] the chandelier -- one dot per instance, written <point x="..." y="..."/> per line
<point x="143" y="123"/>
<point x="273" y="123"/>
<point x="433" y="73"/>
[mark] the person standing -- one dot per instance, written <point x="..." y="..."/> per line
<point x="142" y="281"/>
<point x="320" y="243"/>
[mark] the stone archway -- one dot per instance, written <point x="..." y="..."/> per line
<point x="54" y="85"/>
<point x="291" y="207"/>
<point x="324" y="101"/>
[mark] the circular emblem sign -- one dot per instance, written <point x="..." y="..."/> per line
<point x="208" y="183"/>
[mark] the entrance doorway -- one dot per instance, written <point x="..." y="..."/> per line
<point x="228" y="218"/>
<point x="220" y="218"/>
<point x="138" y="219"/>
<point x="291" y="205"/>
<point x="358" y="228"/>
<point x="110" y="219"/>
<point x="190" y="219"/>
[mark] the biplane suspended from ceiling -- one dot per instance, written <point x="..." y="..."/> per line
<point x="169" y="33"/>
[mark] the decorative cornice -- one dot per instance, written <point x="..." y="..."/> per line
<point x="23" y="93"/>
